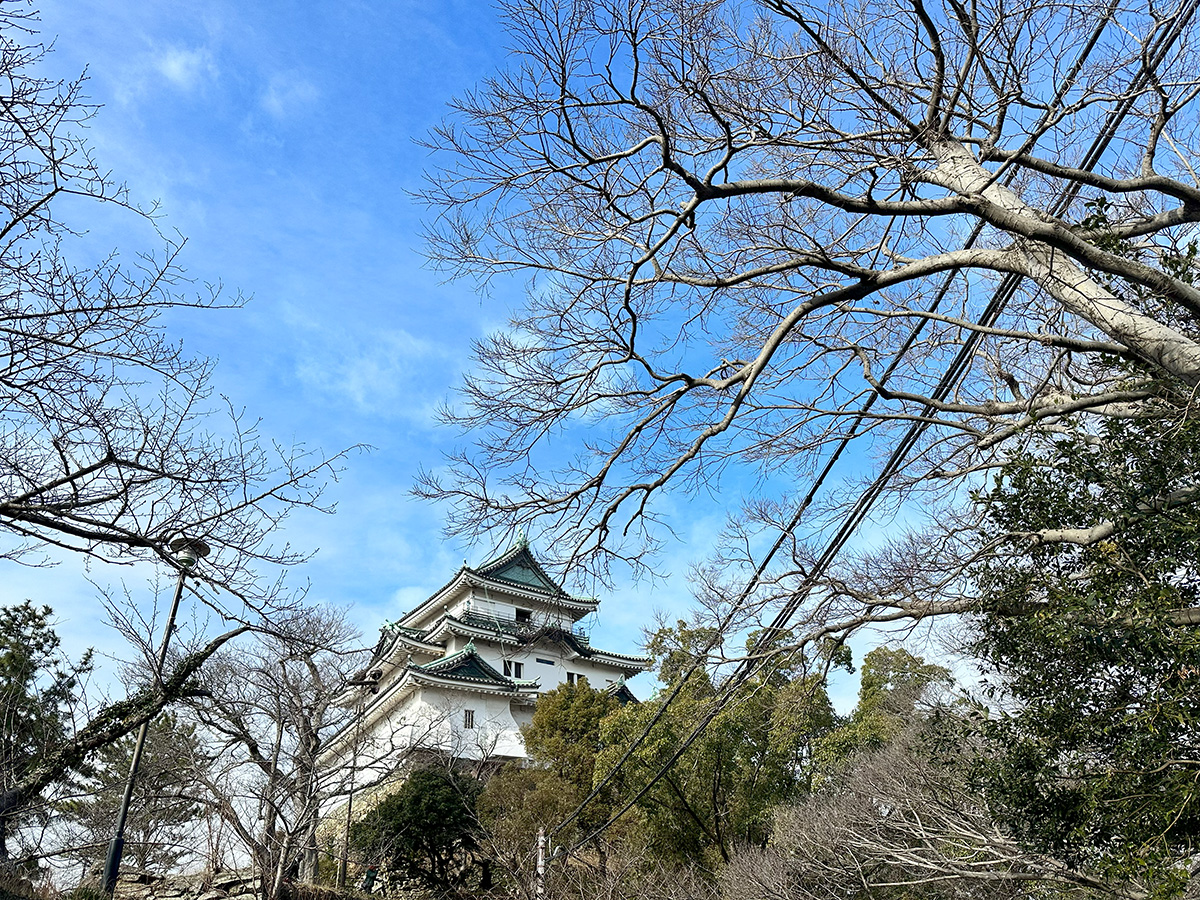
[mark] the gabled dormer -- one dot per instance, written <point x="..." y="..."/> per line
<point x="467" y="669"/>
<point x="518" y="566"/>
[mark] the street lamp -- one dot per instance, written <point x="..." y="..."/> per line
<point x="188" y="552"/>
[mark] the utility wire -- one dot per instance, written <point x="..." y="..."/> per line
<point x="962" y="360"/>
<point x="866" y="501"/>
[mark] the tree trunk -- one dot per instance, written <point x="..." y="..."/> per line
<point x="1059" y="274"/>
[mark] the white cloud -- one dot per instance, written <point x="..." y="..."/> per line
<point x="378" y="374"/>
<point x="185" y="68"/>
<point x="286" y="93"/>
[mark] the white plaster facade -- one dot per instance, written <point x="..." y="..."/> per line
<point x="460" y="673"/>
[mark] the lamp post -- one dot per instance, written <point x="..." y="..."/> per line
<point x="188" y="552"/>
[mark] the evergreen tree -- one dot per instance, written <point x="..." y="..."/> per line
<point x="562" y="742"/>
<point x="1094" y="651"/>
<point x="892" y="684"/>
<point x="756" y="753"/>
<point x="39" y="688"/>
<point x="163" y="806"/>
<point x="426" y="830"/>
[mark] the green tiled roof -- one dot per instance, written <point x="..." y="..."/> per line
<point x="389" y="634"/>
<point x="518" y="565"/>
<point x="467" y="665"/>
<point x="529" y="633"/>
<point x="404" y="629"/>
<point x="524" y="631"/>
<point x="621" y="692"/>
<point x="495" y="623"/>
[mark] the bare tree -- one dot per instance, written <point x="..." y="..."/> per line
<point x="282" y="723"/>
<point x="898" y="821"/>
<point x="757" y="232"/>
<point x="630" y="872"/>
<point x="270" y="710"/>
<point x="111" y="443"/>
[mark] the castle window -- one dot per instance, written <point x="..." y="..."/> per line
<point x="468" y="718"/>
<point x="513" y="669"/>
<point x="572" y="678"/>
<point x="524" y="616"/>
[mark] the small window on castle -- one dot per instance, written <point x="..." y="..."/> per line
<point x="524" y="616"/>
<point x="513" y="669"/>
<point x="572" y="678"/>
<point x="468" y="718"/>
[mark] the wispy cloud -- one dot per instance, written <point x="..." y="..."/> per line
<point x="286" y="94"/>
<point x="186" y="68"/>
<point x="160" y="66"/>
<point x="376" y="374"/>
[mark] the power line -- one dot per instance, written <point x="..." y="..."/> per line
<point x="962" y="360"/>
<point x="957" y="370"/>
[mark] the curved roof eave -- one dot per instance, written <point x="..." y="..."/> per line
<point x="517" y="589"/>
<point x="452" y="625"/>
<point x="378" y="705"/>
<point x="440" y="594"/>
<point x="480" y="577"/>
<point x="399" y="640"/>
<point x="620" y="660"/>
<point x="469" y="685"/>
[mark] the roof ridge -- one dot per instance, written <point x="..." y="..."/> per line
<point x="631" y="656"/>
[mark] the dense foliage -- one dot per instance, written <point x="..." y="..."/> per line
<point x="563" y="741"/>
<point x="757" y="751"/>
<point x="1096" y="649"/>
<point x="892" y="684"/>
<point x="39" y="689"/>
<point x="426" y="830"/>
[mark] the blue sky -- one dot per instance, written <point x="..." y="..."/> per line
<point x="281" y="140"/>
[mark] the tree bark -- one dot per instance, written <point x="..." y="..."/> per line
<point x="111" y="724"/>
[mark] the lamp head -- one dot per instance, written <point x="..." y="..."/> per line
<point x="188" y="551"/>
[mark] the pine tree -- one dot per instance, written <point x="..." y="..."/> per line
<point x="38" y="689"/>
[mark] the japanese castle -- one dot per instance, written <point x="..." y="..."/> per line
<point x="461" y="672"/>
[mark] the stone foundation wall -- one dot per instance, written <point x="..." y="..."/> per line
<point x="243" y="886"/>
<point x="222" y="886"/>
